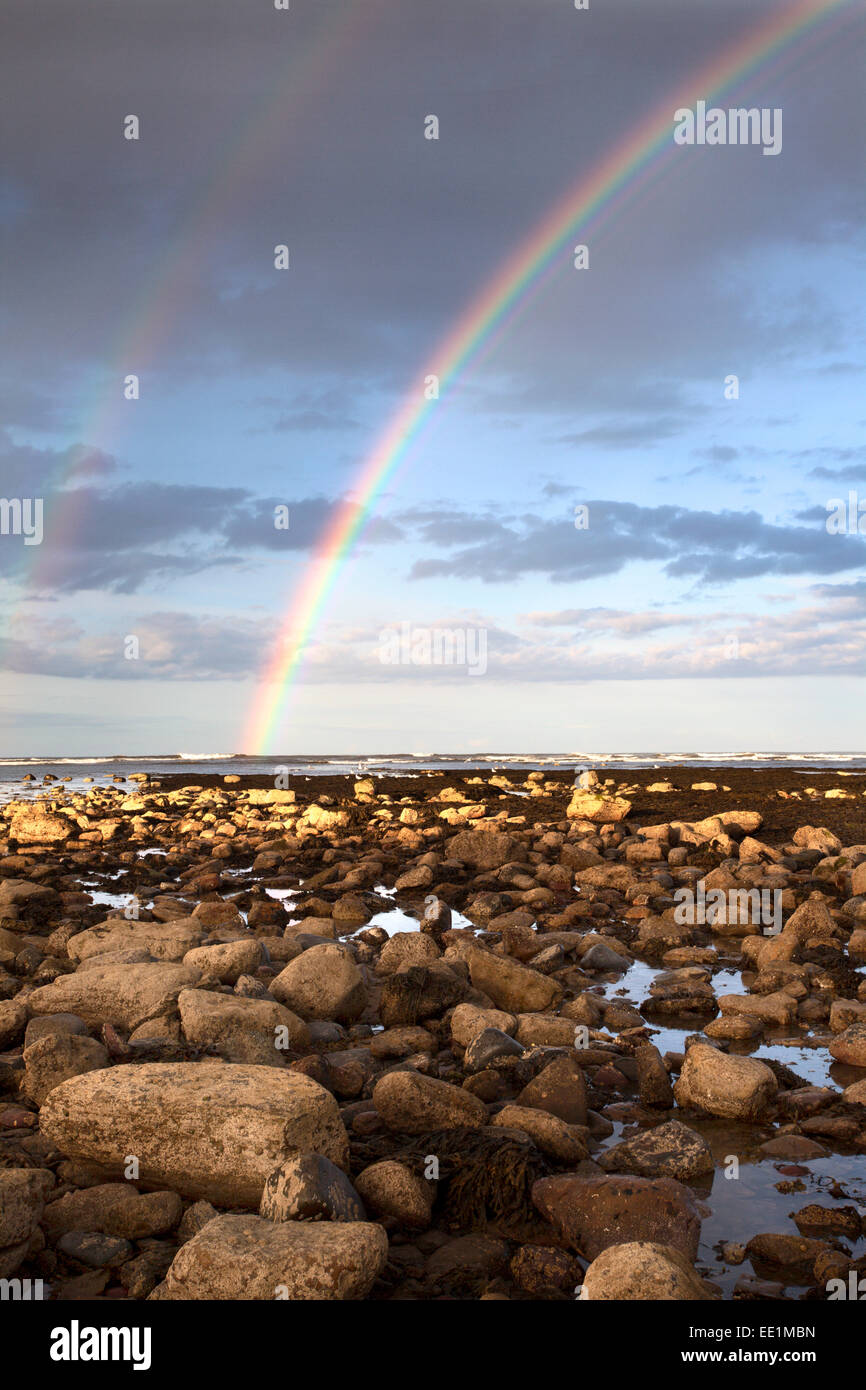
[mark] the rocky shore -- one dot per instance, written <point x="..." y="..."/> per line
<point x="435" y="1037"/>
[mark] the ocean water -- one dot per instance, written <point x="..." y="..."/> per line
<point x="72" y="771"/>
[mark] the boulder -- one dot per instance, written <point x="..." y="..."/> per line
<point x="735" y="1088"/>
<point x="247" y="1257"/>
<point x="410" y="1103"/>
<point x="643" y="1271"/>
<point x="513" y="987"/>
<point x="55" y="1058"/>
<point x="205" y="1129"/>
<point x="323" y="982"/>
<point x="258" y="1031"/>
<point x="123" y="995"/>
<point x="166" y="941"/>
<point x="594" y="1213"/>
<point x="309" y="1187"/>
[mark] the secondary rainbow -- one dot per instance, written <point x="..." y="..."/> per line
<point x="650" y="143"/>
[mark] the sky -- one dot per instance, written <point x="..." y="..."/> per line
<point x="702" y="605"/>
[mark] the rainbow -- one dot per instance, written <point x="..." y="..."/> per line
<point x="647" y="148"/>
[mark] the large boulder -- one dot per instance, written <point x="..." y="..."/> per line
<point x="735" y="1088"/>
<point x="322" y="983"/>
<point x="594" y="1213"/>
<point x="247" y="1257"/>
<point x="34" y="825"/>
<point x="205" y="1129"/>
<point x="123" y="995"/>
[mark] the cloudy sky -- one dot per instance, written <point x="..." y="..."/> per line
<point x="704" y="606"/>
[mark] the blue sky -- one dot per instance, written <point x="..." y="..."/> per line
<point x="705" y="607"/>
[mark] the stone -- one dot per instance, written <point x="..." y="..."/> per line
<point x="600" y="810"/>
<point x="242" y="1030"/>
<point x="94" y="1250"/>
<point x="468" y="1020"/>
<point x="54" y="1023"/>
<point x="322" y="983"/>
<point x="122" y="995"/>
<point x="670" y="1150"/>
<point x="13" y="1021"/>
<point x="850" y="1045"/>
<point x="734" y="1088"/>
<point x="115" y="1209"/>
<point x="227" y="961"/>
<point x="592" y="1213"/>
<point x="205" y="1129"/>
<point x="249" y="1258"/>
<point x="309" y="1187"/>
<point x="541" y="1270"/>
<point x="165" y="941"/>
<point x="560" y="1089"/>
<point x="31" y="825"/>
<point x="562" y="1142"/>
<point x="654" y="1084"/>
<point x="513" y="987"/>
<point x="482" y="849"/>
<point x="778" y="1008"/>
<point x="410" y="1103"/>
<point x="392" y="1192"/>
<point x="55" y="1058"/>
<point x="643" y="1271"/>
<point x="404" y="949"/>
<point x="487" y="1047"/>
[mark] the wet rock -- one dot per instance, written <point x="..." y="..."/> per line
<point x="13" y="1021"/>
<point x="654" y="1084"/>
<point x="671" y="1150"/>
<point x="736" y="1088"/>
<point x="309" y="1187"/>
<point x="778" y="1009"/>
<point x="401" y="1042"/>
<point x="816" y="1220"/>
<point x="795" y="1147"/>
<point x="790" y="1252"/>
<point x="594" y="1213"/>
<point x="413" y="1104"/>
<point x="207" y="1129"/>
<point x="420" y="992"/>
<point x="247" y="1257"/>
<point x="392" y="1192"/>
<point x="643" y="1271"/>
<point x="477" y="1256"/>
<point x="850" y="1045"/>
<point x="322" y="983"/>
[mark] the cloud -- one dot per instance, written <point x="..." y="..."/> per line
<point x="709" y="547"/>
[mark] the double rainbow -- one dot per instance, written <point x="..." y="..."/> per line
<point x="645" y="151"/>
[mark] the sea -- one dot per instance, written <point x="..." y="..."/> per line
<point x="72" y="771"/>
